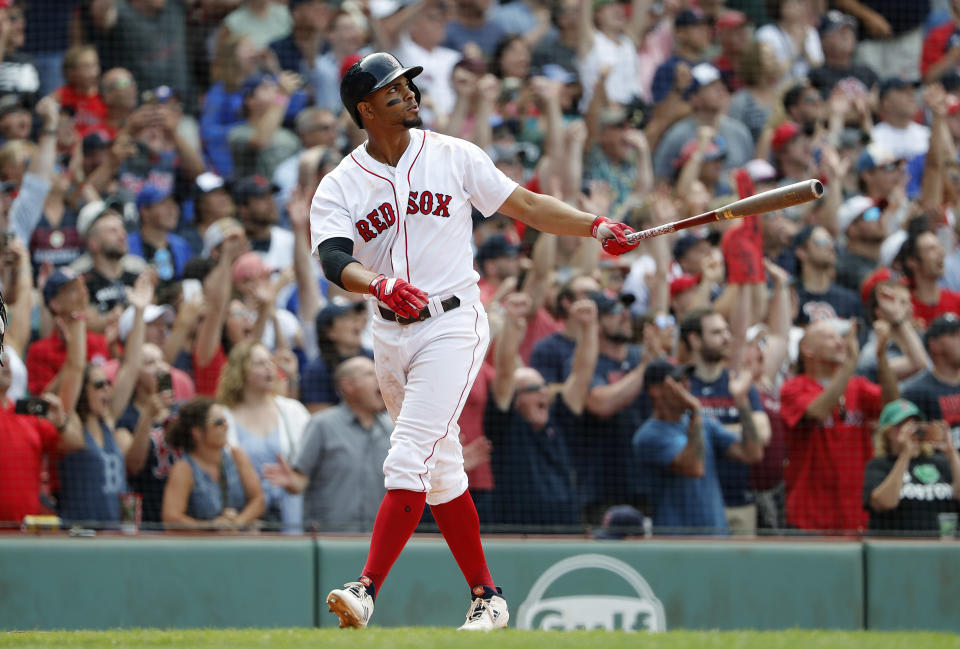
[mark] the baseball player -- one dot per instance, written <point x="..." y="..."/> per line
<point x="394" y="220"/>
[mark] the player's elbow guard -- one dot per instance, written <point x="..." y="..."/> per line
<point x="335" y="255"/>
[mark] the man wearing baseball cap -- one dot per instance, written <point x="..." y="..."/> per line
<point x="257" y="212"/>
<point x="862" y="221"/>
<point x="896" y="129"/>
<point x="708" y="97"/>
<point x="691" y="38"/>
<point x="915" y="475"/>
<point x="155" y="241"/>
<point x="677" y="449"/>
<point x="838" y="38"/>
<point x="65" y="296"/>
<point x="107" y="267"/>
<point x="936" y="390"/>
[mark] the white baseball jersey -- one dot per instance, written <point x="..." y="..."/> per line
<point x="412" y="221"/>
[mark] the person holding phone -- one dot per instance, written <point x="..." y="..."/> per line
<point x="915" y="476"/>
<point x="149" y="458"/>
<point x="24" y="441"/>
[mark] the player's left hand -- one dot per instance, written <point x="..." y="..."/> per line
<point x="612" y="235"/>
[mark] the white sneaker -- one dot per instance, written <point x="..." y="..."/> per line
<point x="486" y="614"/>
<point x="352" y="604"/>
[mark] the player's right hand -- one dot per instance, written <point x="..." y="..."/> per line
<point x="613" y="236"/>
<point x="403" y="298"/>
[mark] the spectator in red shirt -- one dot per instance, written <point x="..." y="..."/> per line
<point x="65" y="294"/>
<point x="941" y="48"/>
<point x="24" y="440"/>
<point x="81" y="69"/>
<point x="829" y="415"/>
<point x="922" y="256"/>
<point x="225" y="322"/>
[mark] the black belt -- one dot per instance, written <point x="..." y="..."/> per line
<point x="449" y="304"/>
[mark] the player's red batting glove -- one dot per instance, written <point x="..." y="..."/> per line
<point x="403" y="298"/>
<point x="612" y="235"/>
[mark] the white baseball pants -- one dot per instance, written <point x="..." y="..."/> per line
<point x="425" y="371"/>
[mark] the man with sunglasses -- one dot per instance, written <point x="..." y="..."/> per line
<point x="529" y="426"/>
<point x="862" y="221"/>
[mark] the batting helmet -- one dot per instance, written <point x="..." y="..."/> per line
<point x="369" y="74"/>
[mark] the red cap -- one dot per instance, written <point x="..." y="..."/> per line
<point x="712" y="152"/>
<point x="783" y="134"/>
<point x="5" y="4"/>
<point x="879" y="276"/>
<point x="683" y="283"/>
<point x="345" y="64"/>
<point x="731" y="19"/>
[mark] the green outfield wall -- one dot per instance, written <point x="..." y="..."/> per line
<point x="54" y="583"/>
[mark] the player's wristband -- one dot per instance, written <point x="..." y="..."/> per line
<point x="374" y="283"/>
<point x="597" y="222"/>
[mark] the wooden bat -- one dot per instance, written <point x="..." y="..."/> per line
<point x="768" y="201"/>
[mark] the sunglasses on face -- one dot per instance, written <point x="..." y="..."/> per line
<point x="665" y="321"/>
<point x="219" y="421"/>
<point x="535" y="387"/>
<point x="872" y="214"/>
<point x="890" y="166"/>
<point x="101" y="384"/>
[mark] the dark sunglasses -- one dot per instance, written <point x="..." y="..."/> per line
<point x="890" y="166"/>
<point x="535" y="387"/>
<point x="101" y="384"/>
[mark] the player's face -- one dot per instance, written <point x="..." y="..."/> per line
<point x="393" y="105"/>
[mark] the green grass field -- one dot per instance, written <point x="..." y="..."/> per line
<point x="424" y="638"/>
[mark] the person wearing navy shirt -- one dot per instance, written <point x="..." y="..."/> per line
<point x="551" y="355"/>
<point x="528" y="426"/>
<point x="818" y="295"/>
<point x="616" y="406"/>
<point x="678" y="449"/>
<point x="691" y="39"/>
<point x="339" y="330"/>
<point x="706" y="335"/>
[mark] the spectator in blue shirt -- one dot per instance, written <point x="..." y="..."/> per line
<point x="677" y="449"/>
<point x="155" y="241"/>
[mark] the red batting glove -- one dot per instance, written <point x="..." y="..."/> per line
<point x="612" y="235"/>
<point x="403" y="298"/>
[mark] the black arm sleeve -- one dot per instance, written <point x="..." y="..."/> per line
<point x="334" y="257"/>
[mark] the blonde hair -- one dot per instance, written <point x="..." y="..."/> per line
<point x="72" y="56"/>
<point x="225" y="67"/>
<point x="234" y="374"/>
<point x="16" y="152"/>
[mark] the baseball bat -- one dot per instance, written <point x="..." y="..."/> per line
<point x="768" y="201"/>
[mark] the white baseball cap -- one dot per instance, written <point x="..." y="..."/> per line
<point x="851" y="209"/>
<point x="151" y="313"/>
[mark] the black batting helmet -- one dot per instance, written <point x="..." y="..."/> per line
<point x="369" y="74"/>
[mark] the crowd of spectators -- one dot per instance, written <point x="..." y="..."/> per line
<point x="174" y="356"/>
